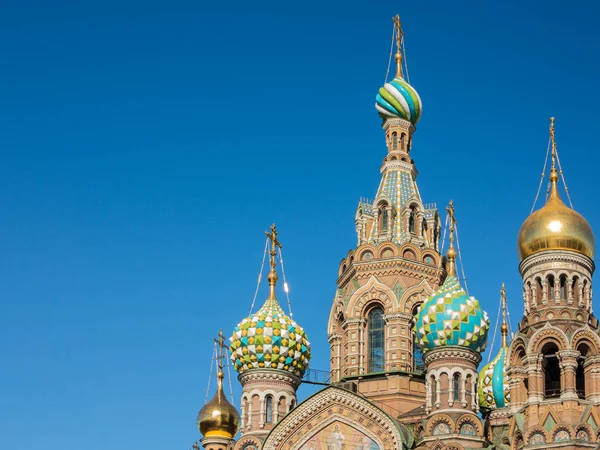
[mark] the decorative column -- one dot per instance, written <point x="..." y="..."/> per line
<point x="533" y="366"/>
<point x="568" y="366"/>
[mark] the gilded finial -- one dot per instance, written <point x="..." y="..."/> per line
<point x="451" y="254"/>
<point x="553" y="171"/>
<point x="504" y="327"/>
<point x="399" y="37"/>
<point x="272" y="277"/>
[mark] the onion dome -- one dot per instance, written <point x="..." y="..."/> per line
<point x="555" y="226"/>
<point x="218" y="417"/>
<point x="493" y="388"/>
<point x="399" y="99"/>
<point x="450" y="316"/>
<point x="268" y="339"/>
<point x="494" y="391"/>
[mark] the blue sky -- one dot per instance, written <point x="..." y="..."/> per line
<point x="146" y="147"/>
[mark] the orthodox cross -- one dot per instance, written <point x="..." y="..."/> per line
<point x="274" y="243"/>
<point x="399" y="32"/>
<point x="220" y="343"/>
<point x="450" y="211"/>
<point x="552" y="140"/>
<point x="399" y="37"/>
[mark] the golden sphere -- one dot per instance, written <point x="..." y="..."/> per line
<point x="555" y="227"/>
<point x="218" y="417"/>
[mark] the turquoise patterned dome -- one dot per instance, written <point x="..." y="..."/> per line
<point x="451" y="317"/>
<point x="399" y="99"/>
<point x="494" y="391"/>
<point x="269" y="339"/>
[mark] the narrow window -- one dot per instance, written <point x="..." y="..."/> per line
<point x="375" y="345"/>
<point x="411" y="221"/>
<point x="563" y="286"/>
<point x="384" y="220"/>
<point x="418" y="365"/>
<point x="269" y="409"/>
<point x="456" y="387"/>
<point x="551" y="371"/>
<point x="394" y="141"/>
<point x="551" y="295"/>
<point x="402" y="140"/>
<point x="579" y="373"/>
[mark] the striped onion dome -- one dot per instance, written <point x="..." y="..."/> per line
<point x="494" y="391"/>
<point x="399" y="99"/>
<point x="451" y="317"/>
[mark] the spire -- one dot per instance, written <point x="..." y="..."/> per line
<point x="451" y="254"/>
<point x="553" y="171"/>
<point x="272" y="277"/>
<point x="504" y="327"/>
<point x="399" y="37"/>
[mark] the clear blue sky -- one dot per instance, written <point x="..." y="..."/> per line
<point x="146" y="147"/>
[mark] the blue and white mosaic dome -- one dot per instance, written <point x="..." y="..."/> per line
<point x="451" y="317"/>
<point x="494" y="391"/>
<point x="399" y="99"/>
<point x="269" y="339"/>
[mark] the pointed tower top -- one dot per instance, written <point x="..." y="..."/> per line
<point x="451" y="254"/>
<point x="504" y="326"/>
<point x="399" y="38"/>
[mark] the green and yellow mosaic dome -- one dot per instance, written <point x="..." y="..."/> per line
<point x="493" y="388"/>
<point x="451" y="317"/>
<point x="269" y="339"/>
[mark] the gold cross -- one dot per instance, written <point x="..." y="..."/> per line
<point x="552" y="140"/>
<point x="399" y="32"/>
<point x="274" y="243"/>
<point x="450" y="211"/>
<point x="220" y="341"/>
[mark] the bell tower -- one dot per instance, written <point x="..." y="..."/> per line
<point x="394" y="267"/>
<point x="554" y="360"/>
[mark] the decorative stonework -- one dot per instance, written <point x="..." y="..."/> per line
<point x="271" y="376"/>
<point x="458" y="353"/>
<point x="333" y="404"/>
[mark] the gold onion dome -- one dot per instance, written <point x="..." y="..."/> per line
<point x="555" y="226"/>
<point x="218" y="417"/>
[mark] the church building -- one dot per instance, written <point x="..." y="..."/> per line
<point x="406" y="340"/>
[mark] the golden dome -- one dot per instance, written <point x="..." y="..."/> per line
<point x="218" y="417"/>
<point x="555" y="226"/>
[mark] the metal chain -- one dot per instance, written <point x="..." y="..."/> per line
<point x="542" y="179"/>
<point x="462" y="266"/>
<point x="285" y="285"/>
<point x="262" y="266"/>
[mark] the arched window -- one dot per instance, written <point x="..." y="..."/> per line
<point x="292" y="404"/>
<point x="575" y="289"/>
<point x="394" y="141"/>
<point x="402" y="140"/>
<point x="563" y="286"/>
<point x="411" y="221"/>
<point x="551" y="370"/>
<point x="418" y="365"/>
<point x="376" y="344"/>
<point x="456" y="386"/>
<point x="384" y="220"/>
<point x="269" y="409"/>
<point x="579" y="374"/>
<point x="551" y="291"/>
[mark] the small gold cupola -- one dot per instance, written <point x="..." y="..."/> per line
<point x="555" y="226"/>
<point x="218" y="417"/>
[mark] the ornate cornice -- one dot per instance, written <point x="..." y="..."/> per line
<point x="391" y="266"/>
<point x="453" y="352"/>
<point x="555" y="256"/>
<point x="398" y="122"/>
<point x="398" y="315"/>
<point x="272" y="376"/>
